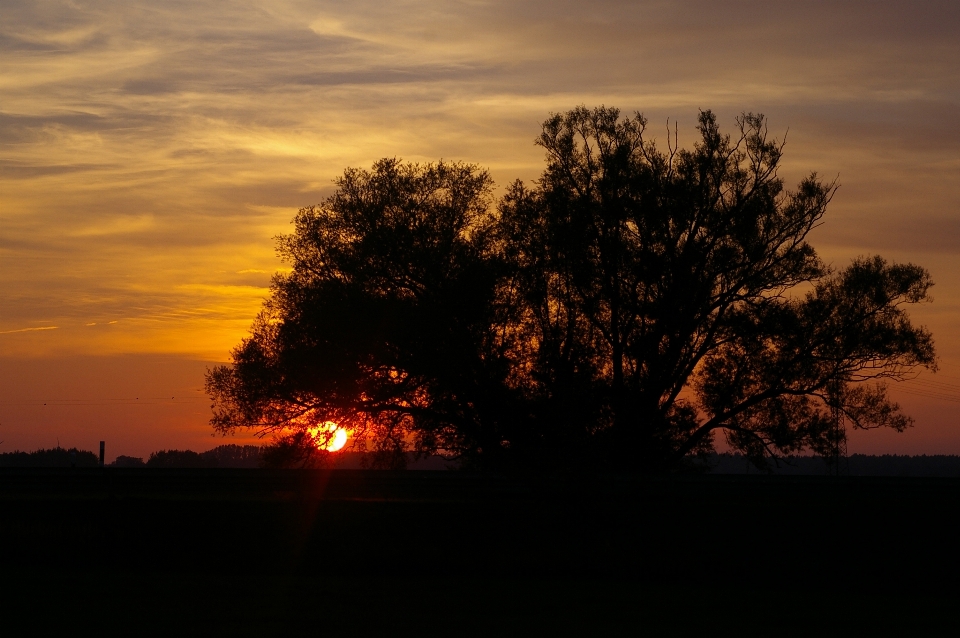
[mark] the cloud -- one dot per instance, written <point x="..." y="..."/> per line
<point x="152" y="150"/>
<point x="117" y="226"/>
<point x="7" y="332"/>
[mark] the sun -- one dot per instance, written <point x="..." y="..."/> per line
<point x="329" y="436"/>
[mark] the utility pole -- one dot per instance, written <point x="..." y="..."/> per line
<point x="101" y="453"/>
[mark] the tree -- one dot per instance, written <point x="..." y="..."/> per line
<point x="668" y="282"/>
<point x="623" y="310"/>
<point x="387" y="324"/>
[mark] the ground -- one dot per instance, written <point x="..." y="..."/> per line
<point x="264" y="553"/>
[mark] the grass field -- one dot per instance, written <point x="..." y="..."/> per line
<point x="264" y="553"/>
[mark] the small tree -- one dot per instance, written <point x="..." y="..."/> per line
<point x="624" y="310"/>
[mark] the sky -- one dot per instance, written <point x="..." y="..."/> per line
<point x="151" y="151"/>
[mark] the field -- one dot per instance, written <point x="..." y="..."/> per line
<point x="262" y="553"/>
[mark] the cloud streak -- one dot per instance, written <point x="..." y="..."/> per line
<point x="7" y="332"/>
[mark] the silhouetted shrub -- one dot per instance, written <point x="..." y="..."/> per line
<point x="180" y="459"/>
<point x="294" y="451"/>
<point x="234" y="455"/>
<point x="128" y="461"/>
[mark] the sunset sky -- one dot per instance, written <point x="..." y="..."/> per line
<point x="151" y="151"/>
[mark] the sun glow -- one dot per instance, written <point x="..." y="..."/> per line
<point x="329" y="436"/>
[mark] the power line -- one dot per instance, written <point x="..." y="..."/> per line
<point x="929" y="384"/>
<point x="930" y="394"/>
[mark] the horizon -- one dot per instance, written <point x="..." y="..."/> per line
<point x="153" y="151"/>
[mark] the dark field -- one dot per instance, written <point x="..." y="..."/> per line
<point x="263" y="553"/>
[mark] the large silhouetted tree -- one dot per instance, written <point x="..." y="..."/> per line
<point x="673" y="284"/>
<point x="623" y="310"/>
<point x="388" y="323"/>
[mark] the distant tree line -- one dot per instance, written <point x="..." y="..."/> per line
<point x="53" y="457"/>
<point x="623" y="311"/>
<point x="237" y="456"/>
<point x="251" y="456"/>
<point x="943" y="465"/>
<point x="223" y="456"/>
<point x="277" y="456"/>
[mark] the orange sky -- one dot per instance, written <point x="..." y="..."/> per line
<point x="149" y="152"/>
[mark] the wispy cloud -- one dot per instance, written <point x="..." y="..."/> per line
<point x="7" y="332"/>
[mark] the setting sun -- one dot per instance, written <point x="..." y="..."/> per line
<point x="329" y="436"/>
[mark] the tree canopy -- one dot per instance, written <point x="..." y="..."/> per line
<point x="622" y="311"/>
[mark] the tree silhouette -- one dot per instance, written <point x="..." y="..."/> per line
<point x="388" y="323"/>
<point x="626" y="308"/>
<point x="664" y="280"/>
